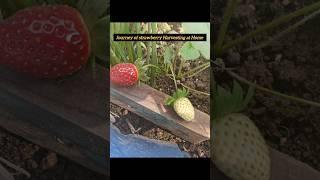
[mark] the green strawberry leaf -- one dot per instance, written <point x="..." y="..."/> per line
<point x="237" y="95"/>
<point x="225" y="102"/>
<point x="1" y="16"/>
<point x="169" y="101"/>
<point x="72" y="3"/>
<point x="248" y="98"/>
<point x="99" y="37"/>
<point x="8" y="7"/>
<point x="24" y="3"/>
<point x="176" y="95"/>
<point x="51" y="2"/>
<point x="168" y="55"/>
<point x="92" y="10"/>
<point x="199" y="28"/>
<point x="188" y="52"/>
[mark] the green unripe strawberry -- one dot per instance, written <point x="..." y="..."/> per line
<point x="184" y="108"/>
<point x="239" y="150"/>
<point x="181" y="104"/>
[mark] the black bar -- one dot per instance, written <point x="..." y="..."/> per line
<point x="152" y="168"/>
<point x="159" y="11"/>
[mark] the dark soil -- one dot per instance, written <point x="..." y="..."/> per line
<point x="39" y="162"/>
<point x="290" y="65"/>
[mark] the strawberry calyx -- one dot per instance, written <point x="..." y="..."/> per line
<point x="178" y="94"/>
<point x="142" y="70"/>
<point x="228" y="102"/>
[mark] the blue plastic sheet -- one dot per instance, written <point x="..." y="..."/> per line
<point x="128" y="146"/>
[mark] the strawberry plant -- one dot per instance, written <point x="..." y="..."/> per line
<point x="163" y="58"/>
<point x="220" y="47"/>
<point x="238" y="148"/>
<point x="181" y="104"/>
<point x="50" y="46"/>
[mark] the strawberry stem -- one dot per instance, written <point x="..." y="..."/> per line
<point x="196" y="70"/>
<point x="138" y="44"/>
<point x="154" y="54"/>
<point x="300" y="100"/>
<point x="231" y="5"/>
<point x="268" y="26"/>
<point x="174" y="77"/>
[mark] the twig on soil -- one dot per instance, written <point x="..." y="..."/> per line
<point x="199" y="92"/>
<point x="114" y="114"/>
<point x="132" y="129"/>
<point x="308" y="9"/>
<point x="13" y="166"/>
<point x="241" y="79"/>
<point x="282" y="33"/>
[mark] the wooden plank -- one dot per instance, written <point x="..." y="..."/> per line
<point x="75" y="111"/>
<point x="282" y="167"/>
<point x="149" y="104"/>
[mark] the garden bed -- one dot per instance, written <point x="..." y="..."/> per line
<point x="39" y="162"/>
<point x="133" y="107"/>
<point x="52" y="114"/>
<point x="289" y="65"/>
<point x="187" y="141"/>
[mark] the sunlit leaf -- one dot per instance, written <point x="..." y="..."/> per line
<point x="199" y="28"/>
<point x="188" y="52"/>
<point x="168" y="55"/>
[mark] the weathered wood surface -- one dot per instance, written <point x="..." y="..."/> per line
<point x="149" y="104"/>
<point x="283" y="167"/>
<point x="68" y="117"/>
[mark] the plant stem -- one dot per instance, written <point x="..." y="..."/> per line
<point x="129" y="45"/>
<point x="93" y="67"/>
<point x="284" y="32"/>
<point x="113" y="59"/>
<point x="207" y="94"/>
<point x="271" y="25"/>
<point x="174" y="77"/>
<point x="300" y="100"/>
<point x="232" y="4"/>
<point x="154" y="53"/>
<point x="207" y="64"/>
<point x="138" y="44"/>
<point x="189" y="88"/>
<point x="148" y="44"/>
<point x="194" y="74"/>
<point x="180" y="67"/>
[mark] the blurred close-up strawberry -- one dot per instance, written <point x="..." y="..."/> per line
<point x="46" y="42"/>
<point x="51" y="40"/>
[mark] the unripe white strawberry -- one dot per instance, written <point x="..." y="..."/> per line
<point x="181" y="104"/>
<point x="184" y="108"/>
<point x="239" y="149"/>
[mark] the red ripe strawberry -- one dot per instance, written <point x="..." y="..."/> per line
<point x="45" y="41"/>
<point x="124" y="74"/>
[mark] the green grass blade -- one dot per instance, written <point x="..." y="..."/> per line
<point x="138" y="44"/>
